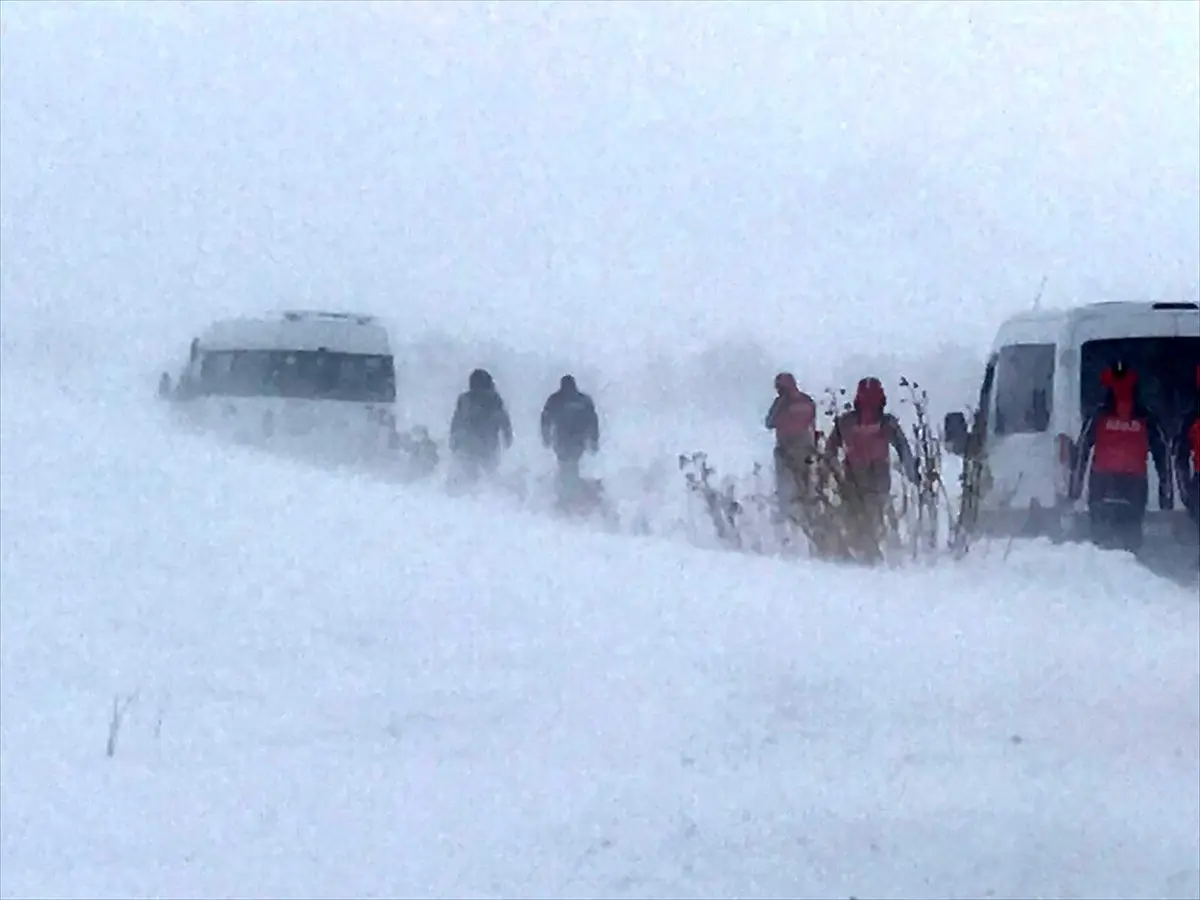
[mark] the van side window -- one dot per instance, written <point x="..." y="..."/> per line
<point x="306" y="375"/>
<point x="214" y="372"/>
<point x="1024" y="389"/>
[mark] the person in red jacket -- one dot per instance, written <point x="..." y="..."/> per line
<point x="1116" y="440"/>
<point x="1187" y="458"/>
<point x="868" y="434"/>
<point x="793" y="418"/>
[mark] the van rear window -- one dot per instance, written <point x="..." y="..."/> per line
<point x="1024" y="388"/>
<point x="319" y="375"/>
<point x="1166" y="370"/>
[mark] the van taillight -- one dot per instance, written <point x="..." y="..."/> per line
<point x="1066" y="450"/>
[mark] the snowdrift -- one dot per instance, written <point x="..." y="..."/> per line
<point x="225" y="673"/>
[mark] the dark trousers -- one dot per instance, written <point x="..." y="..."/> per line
<point x="1117" y="510"/>
<point x="470" y="467"/>
<point x="1117" y="526"/>
<point x="794" y="473"/>
<point x="569" y="478"/>
<point x="1191" y="497"/>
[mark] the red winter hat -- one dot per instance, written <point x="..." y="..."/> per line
<point x="1119" y="374"/>
<point x="870" y="395"/>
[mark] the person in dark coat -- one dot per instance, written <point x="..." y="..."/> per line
<point x="570" y="427"/>
<point x="1187" y="457"/>
<point x="1113" y="448"/>
<point x="480" y="427"/>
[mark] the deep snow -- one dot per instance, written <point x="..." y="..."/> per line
<point x="344" y="687"/>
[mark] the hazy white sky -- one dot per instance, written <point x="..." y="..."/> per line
<point x="823" y="177"/>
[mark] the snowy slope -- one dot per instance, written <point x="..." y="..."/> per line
<point x="348" y="688"/>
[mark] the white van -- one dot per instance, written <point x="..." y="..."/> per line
<point x="311" y="380"/>
<point x="1042" y="379"/>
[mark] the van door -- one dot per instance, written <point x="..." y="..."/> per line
<point x="1021" y="443"/>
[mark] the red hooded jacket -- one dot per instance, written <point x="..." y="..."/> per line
<point x="1120" y="438"/>
<point x="793" y="414"/>
<point x="868" y="434"/>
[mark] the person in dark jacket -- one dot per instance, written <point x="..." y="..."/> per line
<point x="1187" y="457"/>
<point x="868" y="434"/>
<point x="793" y="418"/>
<point x="479" y="427"/>
<point x="570" y="427"/>
<point x="1114" y="445"/>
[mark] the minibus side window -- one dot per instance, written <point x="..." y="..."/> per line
<point x="1024" y="388"/>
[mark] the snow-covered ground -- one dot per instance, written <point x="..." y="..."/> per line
<point x="336" y="686"/>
